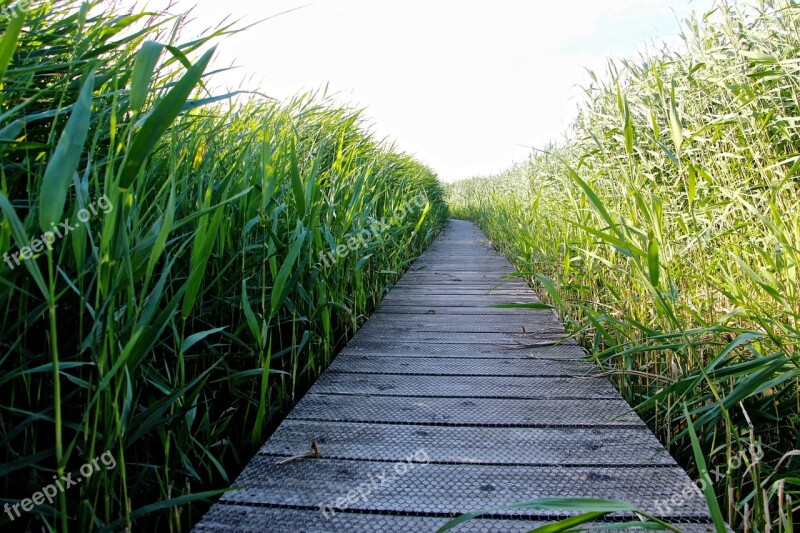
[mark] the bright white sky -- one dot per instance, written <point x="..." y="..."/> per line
<point x="467" y="86"/>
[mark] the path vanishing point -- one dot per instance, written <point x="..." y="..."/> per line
<point x="442" y="404"/>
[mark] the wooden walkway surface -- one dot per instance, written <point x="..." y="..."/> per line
<point x="442" y="404"/>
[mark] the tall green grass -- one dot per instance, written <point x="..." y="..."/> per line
<point x="667" y="230"/>
<point x="172" y="329"/>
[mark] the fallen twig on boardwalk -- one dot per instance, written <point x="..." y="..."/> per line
<point x="313" y="453"/>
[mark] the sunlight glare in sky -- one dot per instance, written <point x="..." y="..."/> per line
<point x="466" y="86"/>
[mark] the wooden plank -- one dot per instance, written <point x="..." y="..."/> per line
<point x="542" y="330"/>
<point x="455" y="300"/>
<point x="436" y="366"/>
<point x="534" y="338"/>
<point x="447" y="267"/>
<point x="417" y="486"/>
<point x="449" y="274"/>
<point x="477" y="324"/>
<point x="451" y="310"/>
<point x="484" y="287"/>
<point x="411" y="348"/>
<point x="258" y="519"/>
<point x="460" y="386"/>
<point x="460" y="262"/>
<point x="494" y="291"/>
<point x="522" y="317"/>
<point x="478" y="445"/>
<point x="466" y="411"/>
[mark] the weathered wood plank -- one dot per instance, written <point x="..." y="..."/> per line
<point x="436" y="366"/>
<point x="544" y="322"/>
<point x="470" y="288"/>
<point x="457" y="300"/>
<point x="534" y="338"/>
<point x="538" y="331"/>
<point x="445" y="444"/>
<point x="406" y="349"/>
<point x="464" y="386"/>
<point x="449" y="488"/>
<point x="252" y="519"/>
<point x="449" y="275"/>
<point x="466" y="411"/>
<point x="451" y="310"/>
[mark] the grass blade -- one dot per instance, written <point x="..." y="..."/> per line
<point x="143" y="69"/>
<point x="708" y="487"/>
<point x="161" y="117"/>
<point x="10" y="39"/>
<point x="64" y="163"/>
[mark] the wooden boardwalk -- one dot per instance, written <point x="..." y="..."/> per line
<point x="442" y="404"/>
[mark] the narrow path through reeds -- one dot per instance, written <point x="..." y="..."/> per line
<point x="442" y="404"/>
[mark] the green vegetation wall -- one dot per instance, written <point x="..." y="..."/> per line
<point x="666" y="230"/>
<point x="176" y="267"/>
